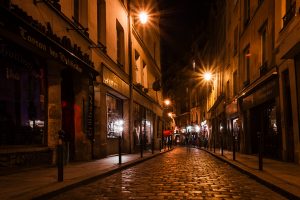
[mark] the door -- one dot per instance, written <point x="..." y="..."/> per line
<point x="67" y="103"/>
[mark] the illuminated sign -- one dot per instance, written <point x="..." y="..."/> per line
<point x="112" y="80"/>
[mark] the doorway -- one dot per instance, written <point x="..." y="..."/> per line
<point x="67" y="103"/>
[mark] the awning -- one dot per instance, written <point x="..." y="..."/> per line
<point x="168" y="132"/>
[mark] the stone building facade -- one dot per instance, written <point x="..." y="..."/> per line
<point x="69" y="65"/>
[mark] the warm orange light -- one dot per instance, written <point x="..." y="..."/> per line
<point x="143" y="17"/>
<point x="167" y="102"/>
<point x="207" y="76"/>
<point x="170" y="114"/>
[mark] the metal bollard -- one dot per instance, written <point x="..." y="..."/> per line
<point x="120" y="150"/>
<point x="233" y="148"/>
<point x="60" y="163"/>
<point x="152" y="145"/>
<point x="141" y="148"/>
<point x="260" y="150"/>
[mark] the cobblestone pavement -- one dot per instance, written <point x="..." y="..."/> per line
<point x="179" y="174"/>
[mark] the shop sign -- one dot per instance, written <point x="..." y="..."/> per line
<point x="112" y="80"/>
<point x="264" y="93"/>
<point x="50" y="49"/>
<point x="231" y="108"/>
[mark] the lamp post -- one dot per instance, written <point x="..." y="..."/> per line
<point x="167" y="103"/>
<point x="208" y="77"/>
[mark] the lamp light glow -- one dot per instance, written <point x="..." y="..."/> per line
<point x="207" y="76"/>
<point x="143" y="17"/>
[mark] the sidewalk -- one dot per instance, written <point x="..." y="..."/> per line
<point x="283" y="177"/>
<point x="41" y="183"/>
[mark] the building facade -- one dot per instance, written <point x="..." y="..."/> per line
<point x="260" y="77"/>
<point x="70" y="65"/>
<point x="286" y="49"/>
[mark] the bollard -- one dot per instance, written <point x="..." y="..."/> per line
<point x="141" y="145"/>
<point x="214" y="144"/>
<point x="120" y="150"/>
<point x="160" y="147"/>
<point x="260" y="150"/>
<point x="222" y="147"/>
<point x="60" y="163"/>
<point x="152" y="146"/>
<point x="233" y="148"/>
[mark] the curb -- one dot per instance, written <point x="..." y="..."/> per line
<point x="56" y="191"/>
<point x="270" y="185"/>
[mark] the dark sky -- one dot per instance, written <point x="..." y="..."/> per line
<point x="182" y="21"/>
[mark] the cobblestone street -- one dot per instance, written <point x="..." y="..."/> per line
<point x="179" y="174"/>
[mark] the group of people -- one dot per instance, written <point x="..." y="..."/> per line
<point x="195" y="140"/>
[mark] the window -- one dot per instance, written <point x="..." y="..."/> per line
<point x="235" y="86"/>
<point x="145" y="75"/>
<point x="263" y="36"/>
<point x="227" y="90"/>
<point x="80" y="14"/>
<point x="76" y="10"/>
<point x="247" y="64"/>
<point x="22" y="107"/>
<point x="101" y="21"/>
<point x="290" y="11"/>
<point x="120" y="45"/>
<point x="246" y="12"/>
<point x="137" y="67"/>
<point x="115" y="120"/>
<point x="235" y="40"/>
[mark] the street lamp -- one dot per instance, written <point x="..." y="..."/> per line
<point x="167" y="102"/>
<point x="207" y="77"/>
<point x="143" y="17"/>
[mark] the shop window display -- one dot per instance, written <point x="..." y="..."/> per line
<point x="115" y="120"/>
<point x="22" y="109"/>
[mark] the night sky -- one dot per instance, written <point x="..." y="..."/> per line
<point x="182" y="22"/>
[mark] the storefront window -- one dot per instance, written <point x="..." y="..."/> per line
<point x="22" y="109"/>
<point x="115" y="120"/>
<point x="143" y="125"/>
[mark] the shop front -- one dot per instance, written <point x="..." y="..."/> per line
<point x="39" y="95"/>
<point x="233" y="125"/>
<point x="112" y="120"/>
<point x="261" y="120"/>
<point x="143" y="127"/>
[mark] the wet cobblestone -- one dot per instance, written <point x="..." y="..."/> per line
<point x="179" y="174"/>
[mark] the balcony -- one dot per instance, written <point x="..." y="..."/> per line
<point x="289" y="14"/>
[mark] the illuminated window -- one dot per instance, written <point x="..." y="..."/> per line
<point x="247" y="64"/>
<point x="115" y="122"/>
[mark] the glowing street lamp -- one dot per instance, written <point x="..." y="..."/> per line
<point x="143" y="17"/>
<point x="167" y="102"/>
<point x="207" y="76"/>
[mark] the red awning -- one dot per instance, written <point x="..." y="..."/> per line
<point x="168" y="132"/>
